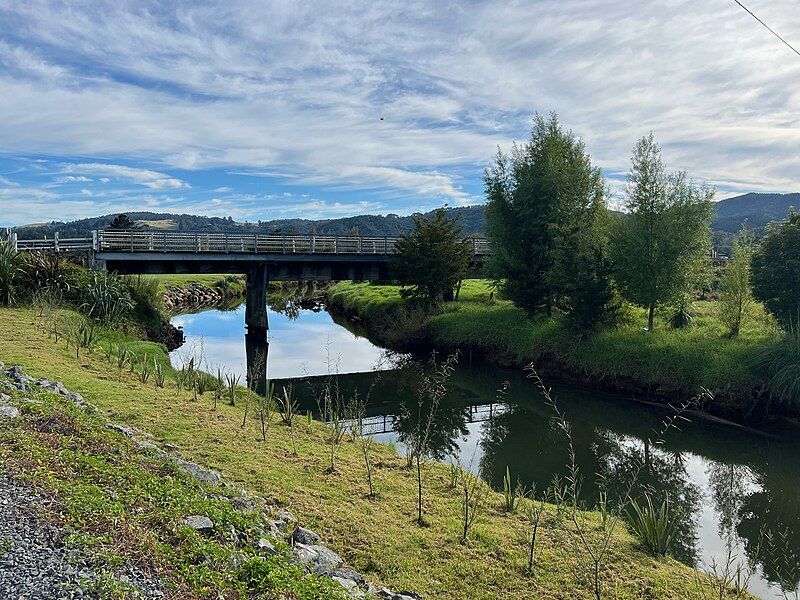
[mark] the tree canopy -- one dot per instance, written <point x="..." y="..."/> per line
<point x="433" y="259"/>
<point x="545" y="205"/>
<point x="776" y="271"/>
<point x="660" y="246"/>
<point x="121" y="221"/>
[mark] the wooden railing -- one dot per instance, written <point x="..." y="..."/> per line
<point x="251" y="243"/>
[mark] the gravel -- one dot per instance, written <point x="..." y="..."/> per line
<point x="36" y="565"/>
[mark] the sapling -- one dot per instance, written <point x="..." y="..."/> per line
<point x="265" y="406"/>
<point x="288" y="409"/>
<point x="533" y="510"/>
<point x="474" y="493"/>
<point x="431" y="390"/>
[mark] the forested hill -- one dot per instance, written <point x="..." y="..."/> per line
<point x="756" y="209"/>
<point x="471" y="218"/>
<point x="731" y="213"/>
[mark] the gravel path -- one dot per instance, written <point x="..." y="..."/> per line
<point x="36" y="565"/>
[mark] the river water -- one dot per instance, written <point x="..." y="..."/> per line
<point x="738" y="490"/>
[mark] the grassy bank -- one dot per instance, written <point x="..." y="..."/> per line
<point x="666" y="363"/>
<point x="376" y="536"/>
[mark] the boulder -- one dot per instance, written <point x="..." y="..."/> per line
<point x="305" y="536"/>
<point x="9" y="412"/>
<point x="264" y="545"/>
<point x="199" y="473"/>
<point x="326" y="561"/>
<point x="199" y="523"/>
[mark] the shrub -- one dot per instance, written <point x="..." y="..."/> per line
<point x="10" y="270"/>
<point x="108" y="299"/>
<point x="654" y="527"/>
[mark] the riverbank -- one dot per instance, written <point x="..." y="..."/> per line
<point x="376" y="536"/>
<point x="666" y="365"/>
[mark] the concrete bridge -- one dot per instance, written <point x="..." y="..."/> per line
<point x="261" y="257"/>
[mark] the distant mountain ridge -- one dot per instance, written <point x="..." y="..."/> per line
<point x="757" y="209"/>
<point x="730" y="214"/>
<point x="471" y="219"/>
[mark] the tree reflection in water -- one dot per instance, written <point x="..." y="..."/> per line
<point x="607" y="461"/>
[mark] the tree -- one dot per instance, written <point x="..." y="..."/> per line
<point x="660" y="245"/>
<point x="736" y="299"/>
<point x="776" y="270"/>
<point x="545" y="203"/>
<point x="121" y="221"/>
<point x="432" y="259"/>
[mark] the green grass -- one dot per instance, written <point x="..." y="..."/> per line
<point x="165" y="281"/>
<point x="126" y="504"/>
<point x="376" y="536"/>
<point x="667" y="360"/>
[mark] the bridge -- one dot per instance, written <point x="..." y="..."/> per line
<point x="261" y="257"/>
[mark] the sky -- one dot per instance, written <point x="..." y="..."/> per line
<point x="273" y="109"/>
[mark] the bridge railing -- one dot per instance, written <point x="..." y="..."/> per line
<point x="252" y="243"/>
<point x="120" y="240"/>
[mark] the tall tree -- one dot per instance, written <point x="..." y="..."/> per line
<point x="736" y="299"/>
<point x="660" y="245"/>
<point x="545" y="202"/>
<point x="776" y="271"/>
<point x="433" y="259"/>
<point x="121" y="221"/>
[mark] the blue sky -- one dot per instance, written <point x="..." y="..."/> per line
<point x="264" y="110"/>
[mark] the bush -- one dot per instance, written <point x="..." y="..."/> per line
<point x="108" y="299"/>
<point x="10" y="271"/>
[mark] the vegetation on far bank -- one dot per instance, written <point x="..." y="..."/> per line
<point x="374" y="534"/>
<point x="670" y="361"/>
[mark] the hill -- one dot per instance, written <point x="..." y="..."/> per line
<point x="367" y="225"/>
<point x="731" y="213"/>
<point x="757" y="209"/>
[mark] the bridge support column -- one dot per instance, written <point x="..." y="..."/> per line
<point x="256" y="320"/>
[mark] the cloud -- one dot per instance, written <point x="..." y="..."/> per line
<point x="295" y="93"/>
<point x="151" y="179"/>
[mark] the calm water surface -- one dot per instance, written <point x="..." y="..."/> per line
<point x="730" y="484"/>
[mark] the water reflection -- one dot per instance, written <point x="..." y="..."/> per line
<point x="738" y="492"/>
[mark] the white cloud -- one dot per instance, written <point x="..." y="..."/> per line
<point x="298" y="91"/>
<point x="151" y="179"/>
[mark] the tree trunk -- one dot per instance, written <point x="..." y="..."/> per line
<point x="650" y="315"/>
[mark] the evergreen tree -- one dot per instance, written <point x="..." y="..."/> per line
<point x="736" y="299"/>
<point x="776" y="271"/>
<point x="545" y="205"/>
<point x="433" y="259"/>
<point x="121" y="221"/>
<point x="660" y="245"/>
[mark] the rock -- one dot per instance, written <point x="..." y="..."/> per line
<point x="199" y="523"/>
<point x="5" y="398"/>
<point x="345" y="573"/>
<point x="9" y="412"/>
<point x="199" y="473"/>
<point x="286" y="516"/>
<point x="350" y="587"/>
<point x="264" y="545"/>
<point x="302" y="555"/>
<point x="326" y="561"/>
<point x="123" y="429"/>
<point x="305" y="536"/>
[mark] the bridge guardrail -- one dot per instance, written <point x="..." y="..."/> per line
<point x="111" y="240"/>
<point x="251" y="243"/>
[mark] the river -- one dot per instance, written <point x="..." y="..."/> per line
<point x="738" y="490"/>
